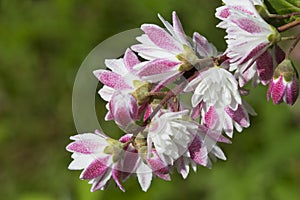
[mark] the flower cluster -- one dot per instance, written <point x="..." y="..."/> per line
<point x="161" y="132"/>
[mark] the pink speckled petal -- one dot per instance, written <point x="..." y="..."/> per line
<point x="211" y="117"/>
<point x="264" y="66"/>
<point x="130" y="60"/>
<point x="97" y="168"/>
<point x="157" y="66"/>
<point x="292" y="92"/>
<point x="124" y="109"/>
<point x="86" y="143"/>
<point x="84" y="147"/>
<point x="278" y="91"/>
<point x="247" y="25"/>
<point x="222" y="12"/>
<point x="160" y="37"/>
<point x="240" y="116"/>
<point x="160" y="169"/>
<point x="111" y="79"/>
<point x="198" y="152"/>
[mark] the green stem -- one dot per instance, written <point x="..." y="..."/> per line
<point x="288" y="38"/>
<point x="157" y="94"/>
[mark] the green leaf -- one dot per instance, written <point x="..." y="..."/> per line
<point x="282" y="6"/>
<point x="294" y="2"/>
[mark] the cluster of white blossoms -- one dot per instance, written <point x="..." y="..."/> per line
<point x="161" y="133"/>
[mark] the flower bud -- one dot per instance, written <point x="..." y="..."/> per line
<point x="284" y="85"/>
<point x="124" y="110"/>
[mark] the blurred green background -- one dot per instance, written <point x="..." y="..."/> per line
<point x="42" y="45"/>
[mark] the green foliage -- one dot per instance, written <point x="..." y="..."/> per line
<point x="283" y="6"/>
<point x="42" y="46"/>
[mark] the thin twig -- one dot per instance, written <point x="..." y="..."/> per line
<point x="288" y="26"/>
<point x="274" y="16"/>
<point x="297" y="39"/>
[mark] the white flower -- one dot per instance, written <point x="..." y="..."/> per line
<point x="121" y="77"/>
<point x="217" y="96"/>
<point x="171" y="134"/>
<point x="168" y="52"/>
<point x="249" y="39"/>
<point x="98" y="167"/>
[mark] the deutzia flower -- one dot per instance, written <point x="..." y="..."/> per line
<point x="202" y="147"/>
<point x="168" y="52"/>
<point x="103" y="158"/>
<point x="249" y="40"/>
<point x="100" y="158"/>
<point x="217" y="96"/>
<point x="285" y="84"/>
<point x="120" y="78"/>
<point x="123" y="90"/>
<point x="149" y="166"/>
<point x="170" y="133"/>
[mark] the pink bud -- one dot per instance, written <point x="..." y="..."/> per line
<point x="124" y="110"/>
<point x="285" y="84"/>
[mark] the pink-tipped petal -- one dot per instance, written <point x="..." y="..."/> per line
<point x="160" y="169"/>
<point x="264" y="66"/>
<point x="240" y="116"/>
<point x="183" y="167"/>
<point x="278" y="91"/>
<point x="160" y="37"/>
<point x="157" y="66"/>
<point x="130" y="60"/>
<point x="198" y="152"/>
<point x="116" y="174"/>
<point x="124" y="109"/>
<point x="178" y="30"/>
<point x="108" y="116"/>
<point x="222" y="12"/>
<point x="97" y="168"/>
<point x="101" y="182"/>
<point x="215" y="135"/>
<point x="292" y="92"/>
<point x="111" y="79"/>
<point x="84" y="147"/>
<point x="248" y="25"/>
<point x="211" y="117"/>
<point x="125" y="138"/>
<point x="253" y="53"/>
<point x="204" y="48"/>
